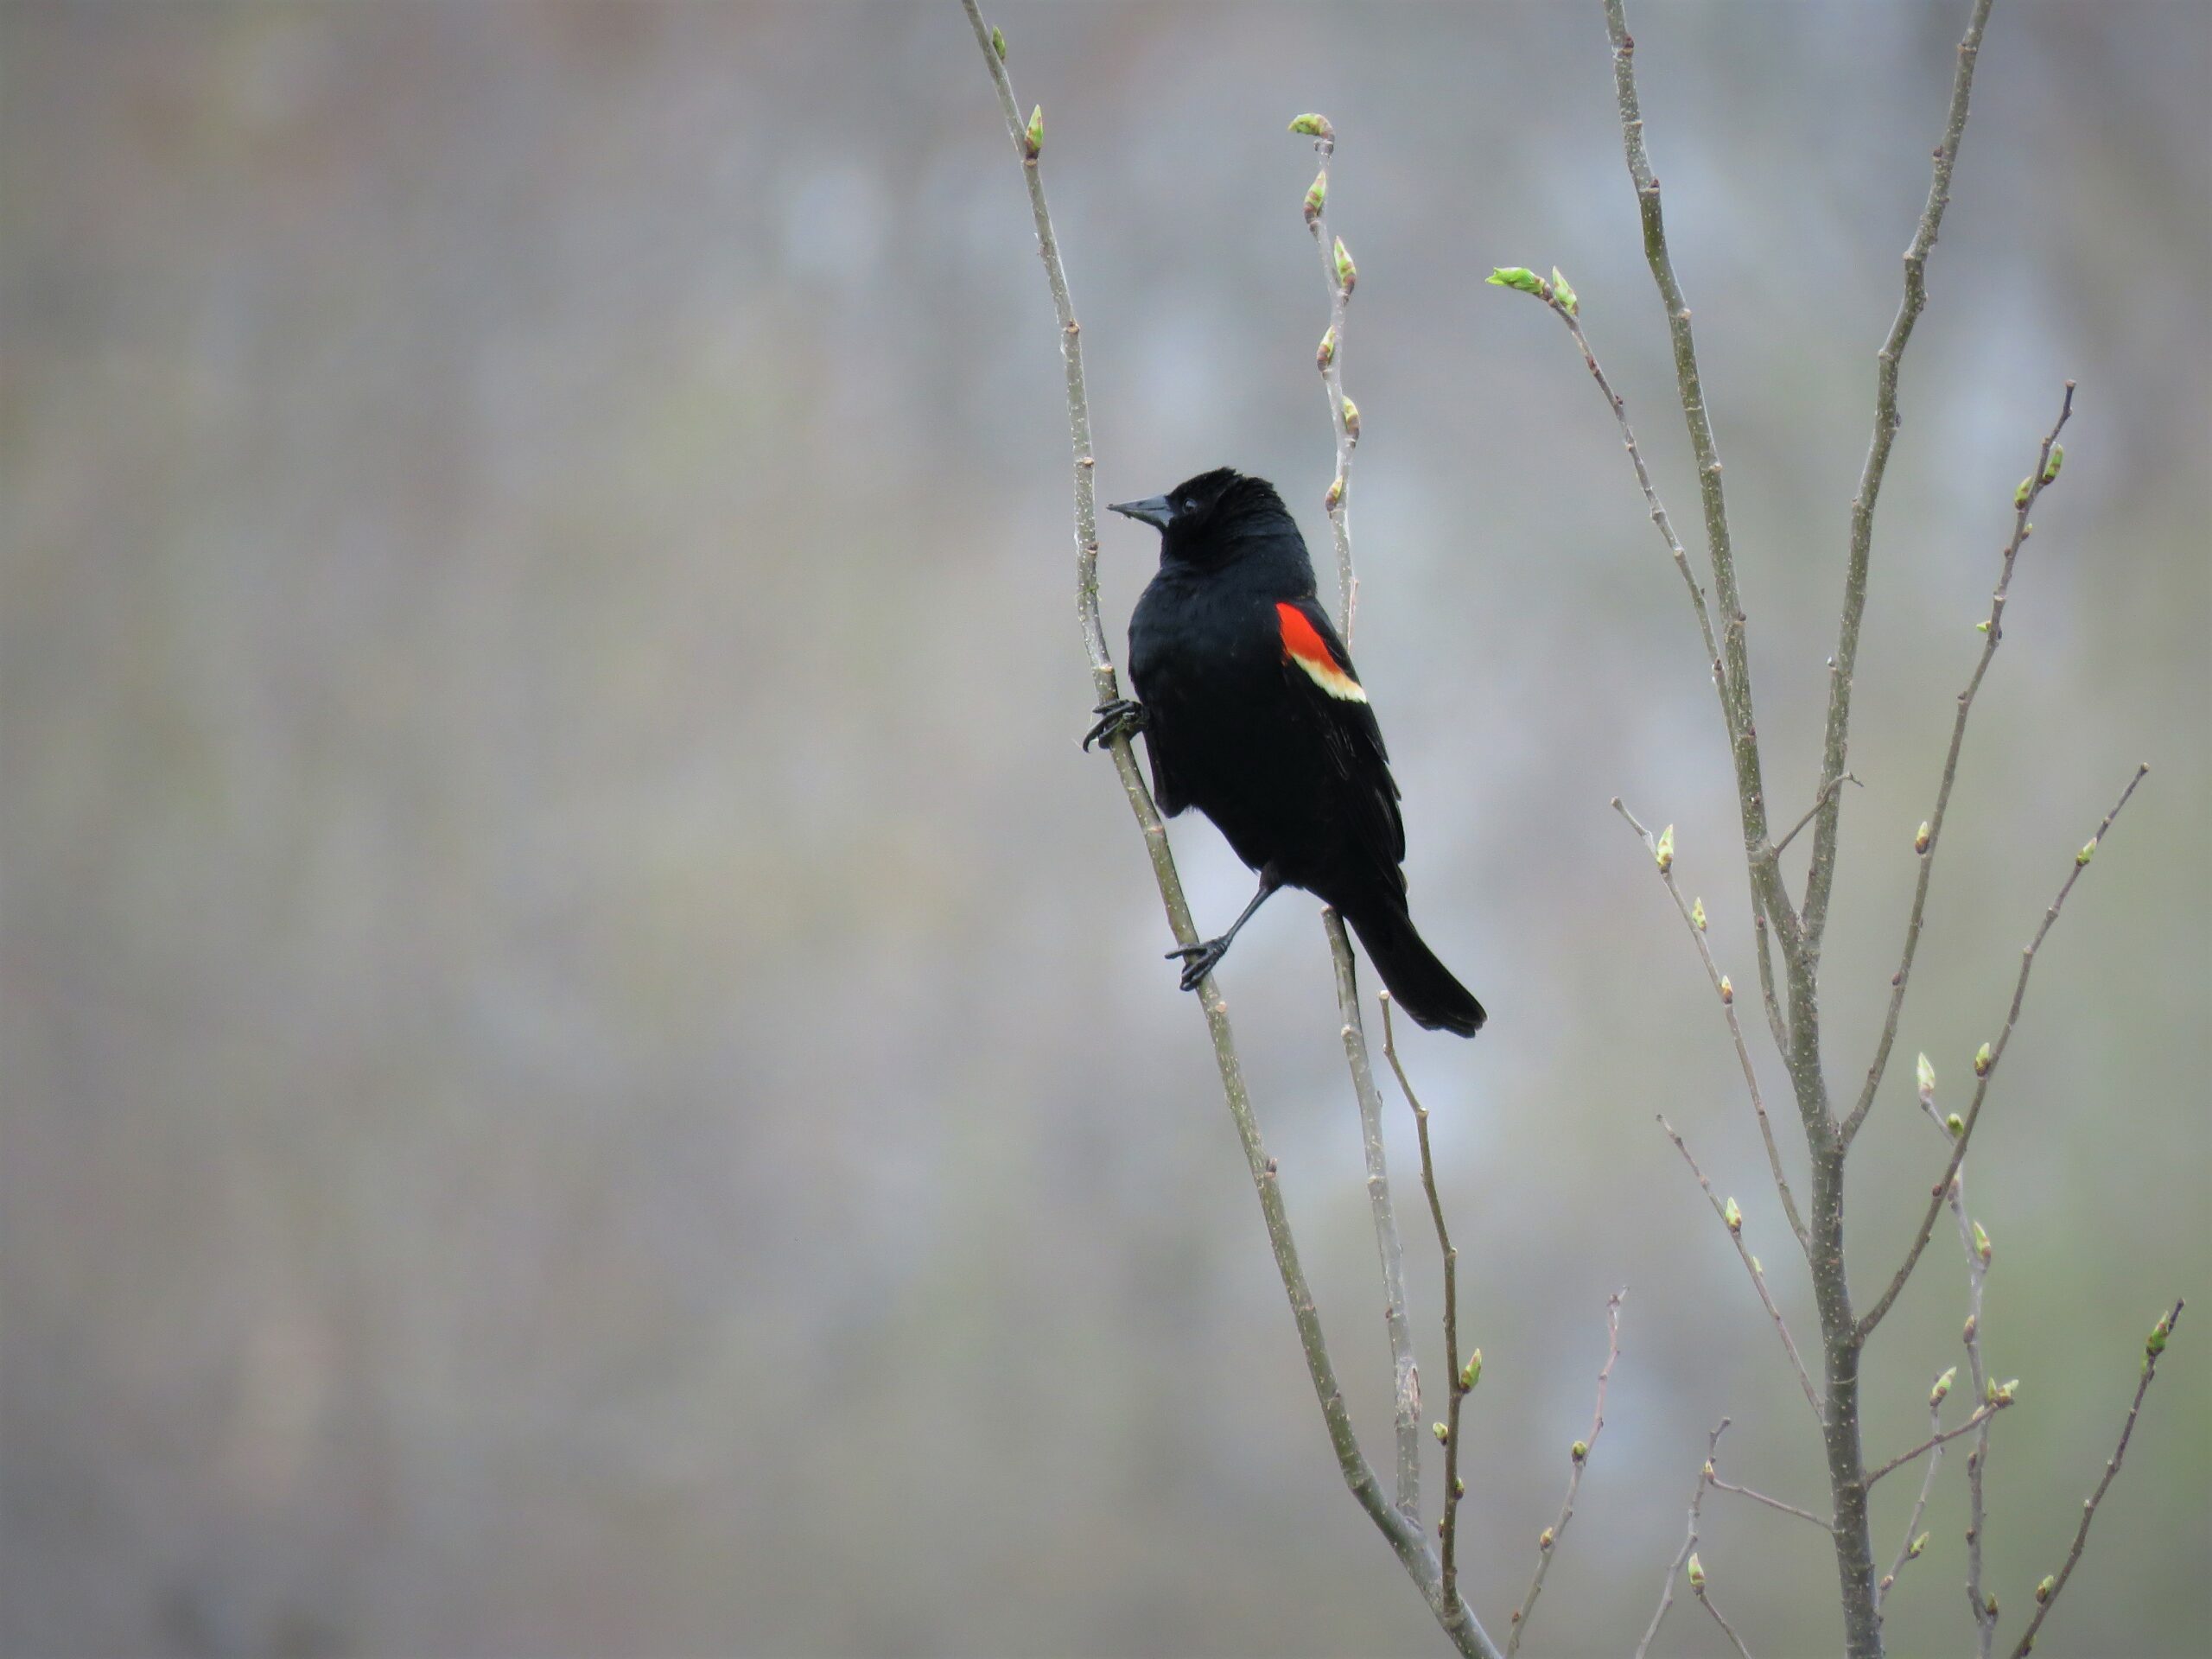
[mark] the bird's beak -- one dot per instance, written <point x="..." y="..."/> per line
<point x="1155" y="510"/>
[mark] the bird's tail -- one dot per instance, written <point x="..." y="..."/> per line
<point x="1418" y="984"/>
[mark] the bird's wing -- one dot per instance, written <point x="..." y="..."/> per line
<point x="1326" y="691"/>
<point x="1167" y="791"/>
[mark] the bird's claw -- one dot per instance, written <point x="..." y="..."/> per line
<point x="1122" y="716"/>
<point x="1199" y="961"/>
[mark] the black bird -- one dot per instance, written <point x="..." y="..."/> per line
<point x="1252" y="713"/>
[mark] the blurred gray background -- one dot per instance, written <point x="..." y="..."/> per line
<point x="587" y="1069"/>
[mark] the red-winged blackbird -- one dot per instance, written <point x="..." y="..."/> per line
<point x="1251" y="712"/>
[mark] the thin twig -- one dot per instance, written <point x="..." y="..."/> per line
<point x="1726" y="991"/>
<point x="1905" y="1550"/>
<point x="1819" y="801"/>
<point x="1689" y="1541"/>
<point x="1705" y="1599"/>
<point x="1405" y="1379"/>
<point x="1456" y="1383"/>
<point x="1579" y="1457"/>
<point x="1666" y="527"/>
<point x="1777" y="1027"/>
<point x="1772" y="1503"/>
<point x="1751" y="1266"/>
<point x="1978" y="1459"/>
<point x="1406" y="1540"/>
<point x="1768" y="891"/>
<point x="1331" y="362"/>
<point x="1987" y="1069"/>
<point x="1993" y="632"/>
<point x="1820" y="878"/>
<point x="1982" y="1414"/>
<point x="2048" y="1597"/>
<point x="1975" y="1271"/>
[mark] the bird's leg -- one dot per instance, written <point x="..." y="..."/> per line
<point x="1199" y="960"/>
<point x="1122" y="715"/>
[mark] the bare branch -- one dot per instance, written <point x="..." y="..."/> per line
<point x="1982" y="1414"/>
<point x="1406" y="1538"/>
<point x="1986" y="1065"/>
<point x="1772" y="1503"/>
<point x="1340" y="279"/>
<point x="1405" y="1379"/>
<point x="1768" y="892"/>
<point x="2047" y="1591"/>
<point x="1689" y="1542"/>
<point x="1910" y="1548"/>
<point x="1993" y="632"/>
<point x="1812" y="812"/>
<point x="1975" y="1246"/>
<point x="1569" y="314"/>
<point x="1406" y="1392"/>
<point x="1777" y="1027"/>
<point x="1464" y="1373"/>
<point x="1751" y="1266"/>
<point x="1820" y="880"/>
<point x="1725" y="991"/>
<point x="1704" y="1598"/>
<point x="1577" y="1458"/>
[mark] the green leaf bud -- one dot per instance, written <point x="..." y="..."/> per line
<point x="1313" y="126"/>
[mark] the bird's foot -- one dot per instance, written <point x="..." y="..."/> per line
<point x="1199" y="960"/>
<point x="1124" y="716"/>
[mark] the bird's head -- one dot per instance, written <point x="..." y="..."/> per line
<point x="1205" y="512"/>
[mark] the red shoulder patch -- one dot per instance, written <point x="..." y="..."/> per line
<point x="1302" y="644"/>
<point x="1303" y="640"/>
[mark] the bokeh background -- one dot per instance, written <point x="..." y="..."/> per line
<point x="587" y="1069"/>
